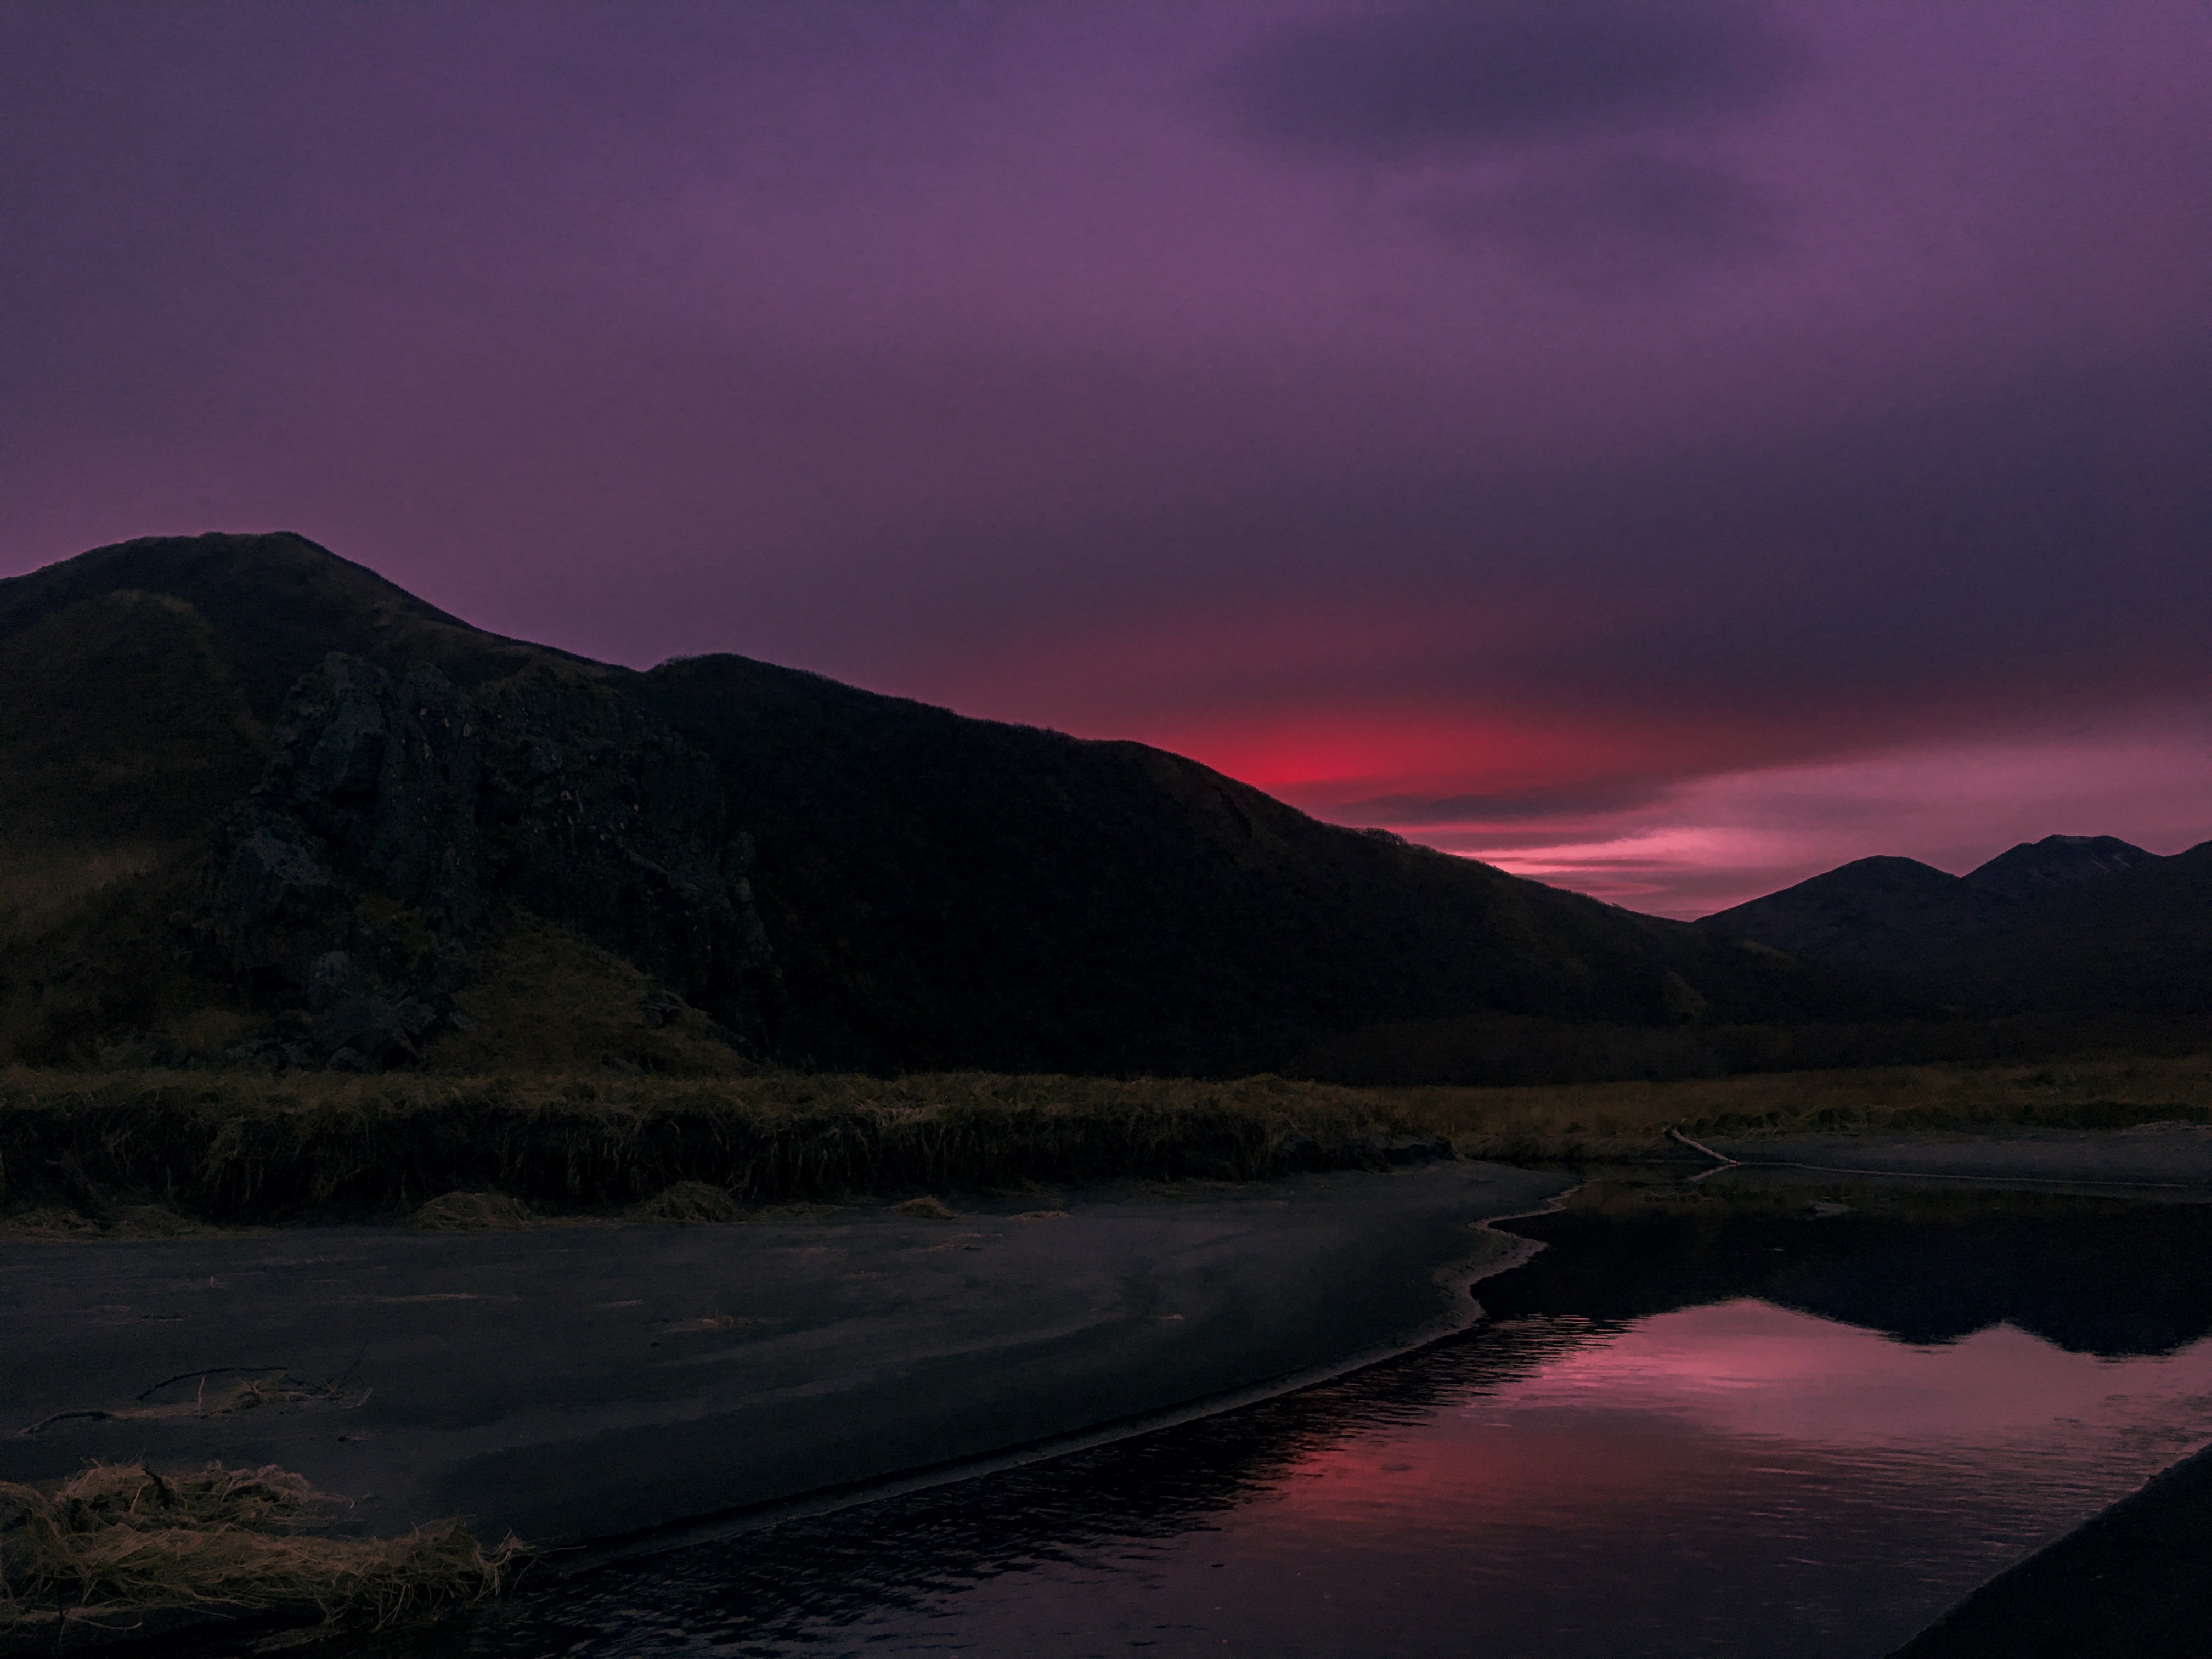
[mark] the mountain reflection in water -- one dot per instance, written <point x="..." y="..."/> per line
<point x="1702" y="1423"/>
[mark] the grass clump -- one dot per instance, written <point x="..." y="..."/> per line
<point x="117" y="1541"/>
<point x="928" y="1207"/>
<point x="689" y="1202"/>
<point x="453" y="1212"/>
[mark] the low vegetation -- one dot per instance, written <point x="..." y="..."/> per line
<point x="1591" y="1120"/>
<point x="237" y="1148"/>
<point x="1486" y="1049"/>
<point x="139" y="1153"/>
<point x="117" y="1542"/>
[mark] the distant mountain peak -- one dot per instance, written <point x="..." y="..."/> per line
<point x="2036" y="869"/>
<point x="2087" y="921"/>
<point x="1869" y="912"/>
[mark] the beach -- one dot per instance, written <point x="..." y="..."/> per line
<point x="583" y="1383"/>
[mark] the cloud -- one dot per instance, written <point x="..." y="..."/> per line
<point x="1426" y="415"/>
<point x="1709" y="842"/>
<point x="1451" y="80"/>
<point x="1593" y="213"/>
<point x="1548" y="806"/>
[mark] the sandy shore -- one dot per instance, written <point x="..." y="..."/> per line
<point x="592" y="1382"/>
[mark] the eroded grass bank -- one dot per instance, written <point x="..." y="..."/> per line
<point x="243" y="1148"/>
<point x="240" y="1148"/>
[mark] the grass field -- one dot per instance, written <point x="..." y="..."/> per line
<point x="1625" y="1120"/>
<point x="97" y="1152"/>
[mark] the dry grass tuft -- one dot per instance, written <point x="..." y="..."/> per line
<point x="119" y="1540"/>
<point x="688" y="1201"/>
<point x="453" y="1212"/>
<point x="928" y="1208"/>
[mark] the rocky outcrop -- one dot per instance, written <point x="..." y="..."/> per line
<point x="595" y="815"/>
<point x="394" y="816"/>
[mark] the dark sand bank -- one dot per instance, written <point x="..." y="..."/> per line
<point x="588" y="1382"/>
<point x="2170" y="1161"/>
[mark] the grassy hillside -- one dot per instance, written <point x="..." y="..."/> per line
<point x="120" y="725"/>
<point x="269" y="608"/>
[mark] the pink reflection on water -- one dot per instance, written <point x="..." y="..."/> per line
<point x="1646" y="1414"/>
<point x="1737" y="1481"/>
<point x="1749" y="1368"/>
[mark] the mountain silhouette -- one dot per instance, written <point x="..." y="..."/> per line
<point x="1881" y="912"/>
<point x="258" y="803"/>
<point x="2036" y="869"/>
<point x="2068" y="923"/>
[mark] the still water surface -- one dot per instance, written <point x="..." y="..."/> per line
<point x="1699" y="1425"/>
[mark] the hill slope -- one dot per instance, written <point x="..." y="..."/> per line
<point x="2138" y="942"/>
<point x="853" y="879"/>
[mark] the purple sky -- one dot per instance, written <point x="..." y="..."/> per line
<point x="1667" y="448"/>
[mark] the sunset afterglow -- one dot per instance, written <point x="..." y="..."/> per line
<point x="1638" y="467"/>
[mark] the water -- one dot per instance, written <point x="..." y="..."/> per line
<point x="1699" y="1425"/>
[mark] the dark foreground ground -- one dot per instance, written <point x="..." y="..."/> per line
<point x="594" y="1383"/>
<point x="624" y="1385"/>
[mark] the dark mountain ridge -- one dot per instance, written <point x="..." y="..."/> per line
<point x="2037" y="869"/>
<point x="1874" y="913"/>
<point x="2072" y="923"/>
<point x="304" y="788"/>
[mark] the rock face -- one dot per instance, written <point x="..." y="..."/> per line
<point x="394" y="816"/>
